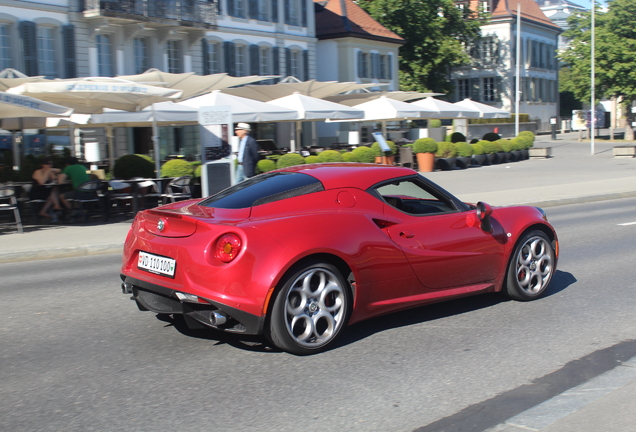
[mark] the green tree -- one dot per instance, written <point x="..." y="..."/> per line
<point x="435" y="34"/>
<point x="615" y="64"/>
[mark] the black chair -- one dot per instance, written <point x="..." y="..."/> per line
<point x="178" y="189"/>
<point x="89" y="199"/>
<point x="120" y="197"/>
<point x="148" y="192"/>
<point x="8" y="202"/>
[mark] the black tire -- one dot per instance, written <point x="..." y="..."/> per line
<point x="310" y="309"/>
<point x="531" y="267"/>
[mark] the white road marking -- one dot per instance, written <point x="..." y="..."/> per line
<point x="627" y="223"/>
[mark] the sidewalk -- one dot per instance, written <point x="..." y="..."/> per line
<point x="571" y="175"/>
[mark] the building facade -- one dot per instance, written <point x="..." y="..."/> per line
<point x="491" y="77"/>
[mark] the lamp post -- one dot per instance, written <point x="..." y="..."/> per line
<point x="518" y="67"/>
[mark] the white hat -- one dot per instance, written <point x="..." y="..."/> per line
<point x="244" y="126"/>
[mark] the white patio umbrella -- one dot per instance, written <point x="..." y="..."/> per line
<point x="485" y="111"/>
<point x="191" y="84"/>
<point x="313" y="109"/>
<point x="91" y="95"/>
<point x="11" y="78"/>
<point x="313" y="88"/>
<point x="243" y="109"/>
<point x="446" y="109"/>
<point x="353" y="99"/>
<point x="15" y="107"/>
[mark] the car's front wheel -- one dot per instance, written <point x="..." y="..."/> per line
<point x="310" y="309"/>
<point x="531" y="267"/>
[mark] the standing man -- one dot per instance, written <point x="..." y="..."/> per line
<point x="247" y="154"/>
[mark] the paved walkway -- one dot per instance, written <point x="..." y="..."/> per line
<point x="572" y="175"/>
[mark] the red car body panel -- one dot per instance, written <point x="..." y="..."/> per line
<point x="397" y="260"/>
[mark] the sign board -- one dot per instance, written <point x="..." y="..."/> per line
<point x="215" y="132"/>
<point x="579" y="120"/>
<point x="380" y="139"/>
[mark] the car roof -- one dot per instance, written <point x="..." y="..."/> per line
<point x="355" y="175"/>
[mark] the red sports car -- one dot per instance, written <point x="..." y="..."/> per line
<point x="298" y="253"/>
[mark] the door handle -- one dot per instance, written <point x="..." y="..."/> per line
<point x="407" y="234"/>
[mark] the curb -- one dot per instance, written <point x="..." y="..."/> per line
<point x="68" y="252"/>
<point x="577" y="200"/>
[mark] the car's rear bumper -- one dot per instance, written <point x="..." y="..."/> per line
<point x="198" y="314"/>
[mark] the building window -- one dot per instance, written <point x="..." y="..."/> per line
<point x="104" y="56"/>
<point x="174" y="56"/>
<point x="241" y="58"/>
<point x="214" y="57"/>
<point x="46" y="52"/>
<point x="488" y="89"/>
<point x="294" y="13"/>
<point x="383" y="67"/>
<point x="6" y="60"/>
<point x="364" y="65"/>
<point x="265" y="56"/>
<point x="295" y="64"/>
<point x="263" y="10"/>
<point x="484" y="6"/>
<point x="489" y="51"/>
<point x="240" y="9"/>
<point x="463" y="89"/>
<point x="141" y="55"/>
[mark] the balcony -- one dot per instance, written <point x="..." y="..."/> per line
<point x="189" y="13"/>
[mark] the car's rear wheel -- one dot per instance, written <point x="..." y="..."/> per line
<point x="310" y="309"/>
<point x="531" y="267"/>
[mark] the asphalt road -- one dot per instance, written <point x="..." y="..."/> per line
<point x="77" y="355"/>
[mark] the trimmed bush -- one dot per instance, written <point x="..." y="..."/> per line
<point x="446" y="150"/>
<point x="290" y="159"/>
<point x="329" y="156"/>
<point x="197" y="171"/>
<point x="176" y="168"/>
<point x="497" y="146"/>
<point x="129" y="166"/>
<point x="491" y="136"/>
<point x="312" y="159"/>
<point x="434" y="123"/>
<point x="516" y="144"/>
<point x="265" y="165"/>
<point x="504" y="144"/>
<point x="488" y="146"/>
<point x="477" y="149"/>
<point x="456" y="137"/>
<point x="425" y="145"/>
<point x="348" y="157"/>
<point x="474" y="141"/>
<point x="363" y="154"/>
<point x="464" y="149"/>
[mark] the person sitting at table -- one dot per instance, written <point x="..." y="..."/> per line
<point x="76" y="173"/>
<point x="42" y="188"/>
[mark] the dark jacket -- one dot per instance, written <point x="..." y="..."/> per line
<point x="250" y="157"/>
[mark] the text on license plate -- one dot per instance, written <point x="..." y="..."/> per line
<point x="156" y="264"/>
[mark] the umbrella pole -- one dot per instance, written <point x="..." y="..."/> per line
<point x="15" y="141"/>
<point x="111" y="153"/>
<point x="299" y="128"/>
<point x="155" y="147"/>
<point x="384" y="129"/>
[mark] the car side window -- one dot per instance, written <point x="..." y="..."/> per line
<point x="413" y="197"/>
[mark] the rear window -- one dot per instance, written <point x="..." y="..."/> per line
<point x="264" y="189"/>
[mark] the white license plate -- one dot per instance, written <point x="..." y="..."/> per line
<point x="156" y="264"/>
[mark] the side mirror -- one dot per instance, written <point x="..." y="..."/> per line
<point x="483" y="213"/>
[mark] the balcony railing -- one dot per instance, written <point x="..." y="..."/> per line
<point x="196" y="11"/>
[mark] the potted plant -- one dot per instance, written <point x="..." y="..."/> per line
<point x="445" y="156"/>
<point x="329" y="156"/>
<point x="424" y="149"/>
<point x="265" y="165"/>
<point x="490" y="150"/>
<point x="479" y="158"/>
<point x="290" y="159"/>
<point x="506" y="148"/>
<point x="464" y="154"/>
<point x="363" y="154"/>
<point x="383" y="157"/>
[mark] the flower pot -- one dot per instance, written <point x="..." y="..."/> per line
<point x="381" y="160"/>
<point x="390" y="160"/>
<point x="493" y="158"/>
<point x="445" y="164"/>
<point x="525" y="154"/>
<point x="518" y="155"/>
<point x="463" y="162"/>
<point x="425" y="162"/>
<point x="503" y="157"/>
<point x="481" y="160"/>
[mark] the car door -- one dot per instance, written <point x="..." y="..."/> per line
<point x="442" y="241"/>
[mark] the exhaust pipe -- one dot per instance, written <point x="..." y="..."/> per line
<point x="217" y="318"/>
<point x="126" y="288"/>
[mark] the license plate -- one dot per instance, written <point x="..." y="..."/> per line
<point x="156" y="264"/>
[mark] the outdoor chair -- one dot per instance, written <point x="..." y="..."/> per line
<point x="8" y="202"/>
<point x="89" y="200"/>
<point x="406" y="157"/>
<point x="148" y="191"/>
<point x="120" y="197"/>
<point x="178" y="189"/>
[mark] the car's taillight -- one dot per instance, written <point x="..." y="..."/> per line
<point x="228" y="247"/>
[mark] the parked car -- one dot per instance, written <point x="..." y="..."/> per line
<point x="298" y="253"/>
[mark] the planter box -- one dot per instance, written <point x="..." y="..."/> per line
<point x="540" y="152"/>
<point x="480" y="160"/>
<point x="624" y="151"/>
<point x="463" y="162"/>
<point x="445" y="164"/>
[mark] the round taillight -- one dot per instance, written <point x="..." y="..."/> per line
<point x="228" y="247"/>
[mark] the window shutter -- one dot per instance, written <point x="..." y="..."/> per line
<point x="206" y="56"/>
<point x="230" y="7"/>
<point x="288" y="61"/>
<point x="274" y="10"/>
<point x="303" y="11"/>
<point x="276" y="62"/>
<point x="70" y="63"/>
<point x="253" y="9"/>
<point x="360" y="64"/>
<point x="287" y="10"/>
<point x="230" y="58"/>
<point x="217" y="3"/>
<point x="305" y="65"/>
<point x="29" y="43"/>
<point x="475" y="89"/>
<point x="389" y="66"/>
<point x="254" y="60"/>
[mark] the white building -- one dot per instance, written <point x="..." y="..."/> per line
<point x="491" y="77"/>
